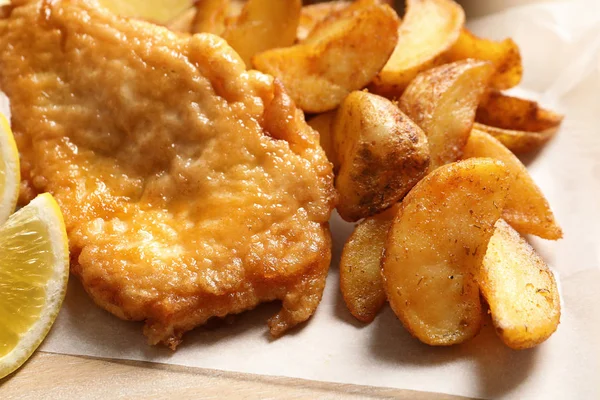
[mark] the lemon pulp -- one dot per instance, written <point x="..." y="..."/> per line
<point x="33" y="277"/>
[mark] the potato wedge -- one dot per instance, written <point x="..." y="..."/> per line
<point x="508" y="112"/>
<point x="429" y="29"/>
<point x="323" y="123"/>
<point x="157" y="11"/>
<point x="435" y="248"/>
<point x="442" y="101"/>
<point x="183" y="22"/>
<point x="361" y="282"/>
<point x="314" y="14"/>
<point x="210" y="16"/>
<point x="263" y="25"/>
<point x="382" y="154"/>
<point x="505" y="56"/>
<point x="343" y="55"/>
<point x="526" y="208"/>
<point x="519" y="142"/>
<point x="520" y="289"/>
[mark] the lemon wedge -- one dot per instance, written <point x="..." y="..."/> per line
<point x="10" y="176"/>
<point x="34" y="269"/>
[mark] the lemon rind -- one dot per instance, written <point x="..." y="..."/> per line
<point x="47" y="210"/>
<point x="9" y="158"/>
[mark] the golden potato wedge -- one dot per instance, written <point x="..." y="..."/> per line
<point x="157" y="11"/>
<point x="343" y="55"/>
<point x="505" y="55"/>
<point x="183" y="22"/>
<point x="210" y="16"/>
<point x="526" y="208"/>
<point x="429" y="29"/>
<point x="435" y="247"/>
<point x="382" y="154"/>
<point x="263" y="25"/>
<point x="442" y="101"/>
<point x="520" y="290"/>
<point x="518" y="142"/>
<point x="323" y="123"/>
<point x="361" y="282"/>
<point x="513" y="113"/>
<point x="314" y="14"/>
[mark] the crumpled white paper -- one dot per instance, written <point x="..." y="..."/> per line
<point x="560" y="44"/>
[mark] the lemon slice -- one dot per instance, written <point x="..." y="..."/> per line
<point x="10" y="176"/>
<point x="34" y="269"/>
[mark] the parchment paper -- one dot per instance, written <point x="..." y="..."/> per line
<point x="560" y="43"/>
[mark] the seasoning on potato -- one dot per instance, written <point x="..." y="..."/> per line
<point x="361" y="282"/>
<point x="520" y="290"/>
<point x="442" y="101"/>
<point x="526" y="209"/>
<point x="341" y="55"/>
<point x="435" y="247"/>
<point x="381" y="153"/>
<point x="429" y="28"/>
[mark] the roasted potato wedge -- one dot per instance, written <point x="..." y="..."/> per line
<point x="442" y="101"/>
<point x="314" y="14"/>
<point x="526" y="208"/>
<point x="519" y="142"/>
<point x="323" y="123"/>
<point x="183" y="22"/>
<point x="435" y="247"/>
<point x="429" y="29"/>
<point x="513" y="113"/>
<point x="342" y="55"/>
<point x="210" y="16"/>
<point x="520" y="290"/>
<point x="360" y="267"/>
<point x="157" y="11"/>
<point x="382" y="154"/>
<point x="263" y="25"/>
<point x="505" y="56"/>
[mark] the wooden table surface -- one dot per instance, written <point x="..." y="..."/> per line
<point x="57" y="376"/>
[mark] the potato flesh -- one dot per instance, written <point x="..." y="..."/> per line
<point x="322" y="123"/>
<point x="381" y="153"/>
<point x="361" y="282"/>
<point x="263" y="25"/>
<point x="314" y="14"/>
<point x="342" y="55"/>
<point x="435" y="247"/>
<point x="429" y="28"/>
<point x="442" y="101"/>
<point x="526" y="208"/>
<point x="210" y="16"/>
<point x="520" y="290"/>
<point x="505" y="56"/>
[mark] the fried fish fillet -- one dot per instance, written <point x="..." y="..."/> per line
<point x="190" y="187"/>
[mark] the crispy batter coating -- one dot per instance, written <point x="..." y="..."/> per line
<point x="191" y="188"/>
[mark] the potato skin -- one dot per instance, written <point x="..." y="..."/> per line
<point x="505" y="55"/>
<point x="520" y="290"/>
<point x="526" y="209"/>
<point x="263" y="25"/>
<point x="382" y="154"/>
<point x="428" y="30"/>
<point x="341" y="54"/>
<point x="442" y="101"/>
<point x="435" y="247"/>
<point x="361" y="281"/>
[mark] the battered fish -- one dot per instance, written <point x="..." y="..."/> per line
<point x="190" y="187"/>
